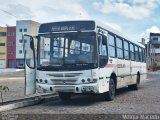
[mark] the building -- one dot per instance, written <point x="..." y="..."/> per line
<point x="23" y="26"/>
<point x="11" y="47"/>
<point x="153" y="51"/>
<point x="3" y="47"/>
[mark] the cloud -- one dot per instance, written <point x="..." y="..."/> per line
<point x="153" y="29"/>
<point x="146" y="33"/>
<point x="113" y="25"/>
<point x="20" y="11"/>
<point x="68" y="10"/>
<point x="42" y="11"/>
<point x="135" y="9"/>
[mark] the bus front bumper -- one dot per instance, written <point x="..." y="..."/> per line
<point x="81" y="88"/>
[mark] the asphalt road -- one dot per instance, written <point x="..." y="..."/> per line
<point x="144" y="101"/>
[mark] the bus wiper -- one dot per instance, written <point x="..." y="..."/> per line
<point x="49" y="66"/>
<point x="69" y="64"/>
<point x="56" y="65"/>
<point x="81" y="64"/>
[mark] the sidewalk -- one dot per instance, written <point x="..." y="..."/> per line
<point x="15" y="81"/>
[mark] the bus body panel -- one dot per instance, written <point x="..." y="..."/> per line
<point x="143" y="72"/>
<point x="57" y="80"/>
<point x="30" y="81"/>
<point x="104" y="79"/>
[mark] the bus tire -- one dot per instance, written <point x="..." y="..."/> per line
<point x="135" y="86"/>
<point x="65" y="96"/>
<point x="109" y="96"/>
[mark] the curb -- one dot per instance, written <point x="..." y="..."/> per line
<point x="28" y="102"/>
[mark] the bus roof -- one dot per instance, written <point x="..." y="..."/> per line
<point x="120" y="34"/>
<point x="46" y="27"/>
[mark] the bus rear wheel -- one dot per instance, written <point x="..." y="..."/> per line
<point x="109" y="96"/>
<point x="135" y="86"/>
<point x="64" y="96"/>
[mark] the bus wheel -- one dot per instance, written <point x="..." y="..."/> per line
<point x="64" y="96"/>
<point x="135" y="86"/>
<point x="109" y="96"/>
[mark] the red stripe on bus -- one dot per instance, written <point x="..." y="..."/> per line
<point x="110" y="65"/>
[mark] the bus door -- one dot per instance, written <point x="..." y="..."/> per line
<point x="121" y="69"/>
<point x="30" y="65"/>
<point x="103" y="58"/>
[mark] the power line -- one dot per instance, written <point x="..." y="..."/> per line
<point x="8" y="13"/>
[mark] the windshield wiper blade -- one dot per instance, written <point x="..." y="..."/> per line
<point x="56" y="65"/>
<point x="78" y="64"/>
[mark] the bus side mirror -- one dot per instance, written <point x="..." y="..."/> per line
<point x="32" y="44"/>
<point x="104" y="40"/>
<point x="28" y="41"/>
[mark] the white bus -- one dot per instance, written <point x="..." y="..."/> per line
<point x="82" y="57"/>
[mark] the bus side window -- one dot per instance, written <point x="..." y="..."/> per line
<point x="137" y="54"/>
<point x="111" y="46"/>
<point x="132" y="53"/>
<point x="119" y="46"/>
<point x="102" y="40"/>
<point x="140" y="54"/>
<point x="126" y="50"/>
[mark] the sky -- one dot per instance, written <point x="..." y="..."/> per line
<point x="134" y="18"/>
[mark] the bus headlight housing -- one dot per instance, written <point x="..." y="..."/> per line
<point x="89" y="80"/>
<point x="95" y="80"/>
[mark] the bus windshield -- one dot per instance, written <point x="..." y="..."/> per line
<point x="67" y="51"/>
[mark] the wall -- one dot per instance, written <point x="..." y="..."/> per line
<point x="11" y="47"/>
<point x="3" y="47"/>
<point x="31" y="28"/>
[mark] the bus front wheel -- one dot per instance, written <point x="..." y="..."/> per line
<point x="109" y="96"/>
<point x="64" y="96"/>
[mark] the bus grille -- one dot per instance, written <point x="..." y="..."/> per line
<point x="64" y="81"/>
<point x="64" y="78"/>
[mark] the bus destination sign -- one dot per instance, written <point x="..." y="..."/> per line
<point x="64" y="28"/>
<point x="67" y="26"/>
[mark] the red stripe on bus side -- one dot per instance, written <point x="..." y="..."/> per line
<point x="110" y="65"/>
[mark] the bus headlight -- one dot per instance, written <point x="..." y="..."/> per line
<point x="46" y="81"/>
<point x="83" y="80"/>
<point x="41" y="80"/>
<point x="88" y="79"/>
<point x="95" y="80"/>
